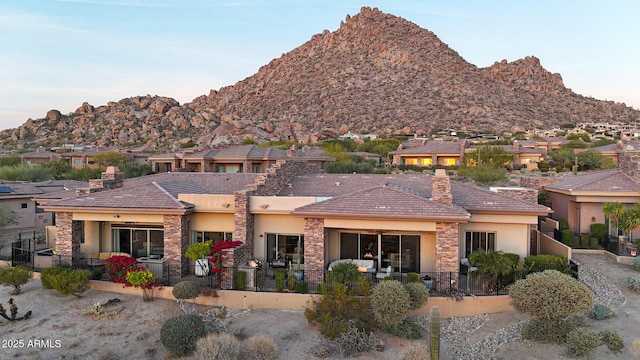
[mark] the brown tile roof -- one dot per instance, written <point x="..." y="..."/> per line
<point x="607" y="180"/>
<point x="471" y="198"/>
<point x="212" y="183"/>
<point x="387" y="201"/>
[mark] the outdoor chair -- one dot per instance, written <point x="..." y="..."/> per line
<point x="381" y="275"/>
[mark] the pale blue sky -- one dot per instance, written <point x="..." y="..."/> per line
<point x="58" y="54"/>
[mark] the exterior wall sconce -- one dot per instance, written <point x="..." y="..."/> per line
<point x="593" y="219"/>
<point x="116" y="216"/>
<point x="226" y="205"/>
<point x="264" y="206"/>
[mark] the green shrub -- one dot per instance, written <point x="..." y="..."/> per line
<point x="418" y="293"/>
<point x="601" y="312"/>
<point x="15" y="277"/>
<point x="96" y="273"/>
<point x="563" y="224"/>
<point x="634" y="282"/>
<point x="636" y="263"/>
<point x="413" y="277"/>
<point x="179" y="334"/>
<point x="217" y="347"/>
<point x="594" y="243"/>
<point x="46" y="275"/>
<point x="544" y="166"/>
<point x="390" y="302"/>
<point x="613" y="341"/>
<point x="538" y="263"/>
<point x="545" y="331"/>
<point x="302" y="287"/>
<point x="344" y="273"/>
<point x="66" y="281"/>
<point x="280" y="275"/>
<point x="514" y="258"/>
<point x="550" y="295"/>
<point x="241" y="280"/>
<point x="581" y="342"/>
<point x="599" y="231"/>
<point x="567" y="237"/>
<point x="407" y="329"/>
<point x="584" y="240"/>
<point x="186" y="290"/>
<point x="337" y="308"/>
<point x="260" y="347"/>
<point x="355" y="340"/>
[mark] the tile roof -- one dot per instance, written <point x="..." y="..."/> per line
<point x="607" y="180"/>
<point x="386" y="201"/>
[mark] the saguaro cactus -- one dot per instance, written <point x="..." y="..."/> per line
<point x="434" y="322"/>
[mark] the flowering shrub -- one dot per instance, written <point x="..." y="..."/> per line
<point x="118" y="266"/>
<point x="217" y="257"/>
<point x="141" y="278"/>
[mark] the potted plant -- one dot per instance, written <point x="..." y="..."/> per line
<point x="298" y="273"/>
<point x="197" y="253"/>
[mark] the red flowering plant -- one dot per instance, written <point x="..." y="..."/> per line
<point x="118" y="266"/>
<point x="217" y="257"/>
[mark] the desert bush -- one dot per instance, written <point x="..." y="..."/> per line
<point x="636" y="263"/>
<point x="633" y="282"/>
<point x="179" y="334"/>
<point x="550" y="295"/>
<point x="601" y="312"/>
<point x="280" y="275"/>
<point x="15" y="277"/>
<point x="581" y="342"/>
<point x="302" y="287"/>
<point x="635" y="348"/>
<point x="344" y="273"/>
<point x="186" y="290"/>
<point x="407" y="329"/>
<point x="390" y="302"/>
<point x="355" y="340"/>
<point x="66" y="281"/>
<point x="260" y="347"/>
<point x="413" y="277"/>
<point x="336" y="309"/>
<point x="414" y="351"/>
<point x="217" y="347"/>
<point x="538" y="263"/>
<point x="418" y="293"/>
<point x="553" y="332"/>
<point x="613" y="341"/>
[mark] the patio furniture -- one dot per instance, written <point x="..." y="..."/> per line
<point x="381" y="275"/>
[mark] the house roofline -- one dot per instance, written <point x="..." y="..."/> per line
<point x="325" y="215"/>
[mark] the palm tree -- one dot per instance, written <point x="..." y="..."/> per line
<point x="613" y="211"/>
<point x="493" y="263"/>
<point x="630" y="220"/>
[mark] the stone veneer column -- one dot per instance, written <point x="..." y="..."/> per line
<point x="176" y="239"/>
<point x="68" y="238"/>
<point x="447" y="248"/>
<point x="314" y="244"/>
<point x="244" y="228"/>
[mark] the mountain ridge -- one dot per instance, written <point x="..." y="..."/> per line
<point x="377" y="73"/>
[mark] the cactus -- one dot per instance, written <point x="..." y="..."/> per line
<point x="13" y="308"/>
<point x="434" y="319"/>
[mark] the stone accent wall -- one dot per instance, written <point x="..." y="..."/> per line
<point x="280" y="174"/>
<point x="447" y="247"/>
<point x="441" y="187"/>
<point x="629" y="163"/>
<point x="314" y="244"/>
<point x="244" y="228"/>
<point x="68" y="239"/>
<point x="110" y="179"/>
<point x="530" y="195"/>
<point x="537" y="182"/>
<point x="176" y="240"/>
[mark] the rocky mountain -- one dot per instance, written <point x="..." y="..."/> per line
<point x="377" y="73"/>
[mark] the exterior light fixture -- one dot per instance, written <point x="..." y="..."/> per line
<point x="264" y="206"/>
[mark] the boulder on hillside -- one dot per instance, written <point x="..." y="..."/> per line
<point x="53" y="115"/>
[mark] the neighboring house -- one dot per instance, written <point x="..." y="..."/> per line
<point x="412" y="222"/>
<point x="612" y="151"/>
<point x="81" y="159"/>
<point x="547" y="144"/>
<point x="375" y="158"/>
<point x="234" y="159"/>
<point x="579" y="198"/>
<point x="40" y="156"/>
<point x="430" y="153"/>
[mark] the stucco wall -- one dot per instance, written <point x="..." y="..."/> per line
<point x="211" y="222"/>
<point x="275" y="224"/>
<point x="510" y="238"/>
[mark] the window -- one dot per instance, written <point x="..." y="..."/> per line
<point x="285" y="246"/>
<point x="400" y="251"/>
<point x="229" y="168"/>
<point x="411" y="161"/>
<point x="256" y="168"/>
<point x="215" y="236"/>
<point x="25" y="205"/>
<point x="139" y="242"/>
<point x="449" y="162"/>
<point x="479" y="240"/>
<point x="426" y="162"/>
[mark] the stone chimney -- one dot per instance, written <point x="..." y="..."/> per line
<point x="293" y="151"/>
<point x="441" y="187"/>
<point x="516" y="146"/>
<point x="629" y="162"/>
<point x="111" y="178"/>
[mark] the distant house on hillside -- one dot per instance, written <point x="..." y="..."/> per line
<point x="235" y="159"/>
<point x="430" y="153"/>
<point x="40" y="156"/>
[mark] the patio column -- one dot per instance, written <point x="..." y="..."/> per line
<point x="68" y="238"/>
<point x="447" y="248"/>
<point x="176" y="240"/>
<point x="314" y="244"/>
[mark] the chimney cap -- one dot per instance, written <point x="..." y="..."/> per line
<point x="441" y="172"/>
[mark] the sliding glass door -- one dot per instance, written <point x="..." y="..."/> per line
<point x="402" y="252"/>
<point x="139" y="242"/>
